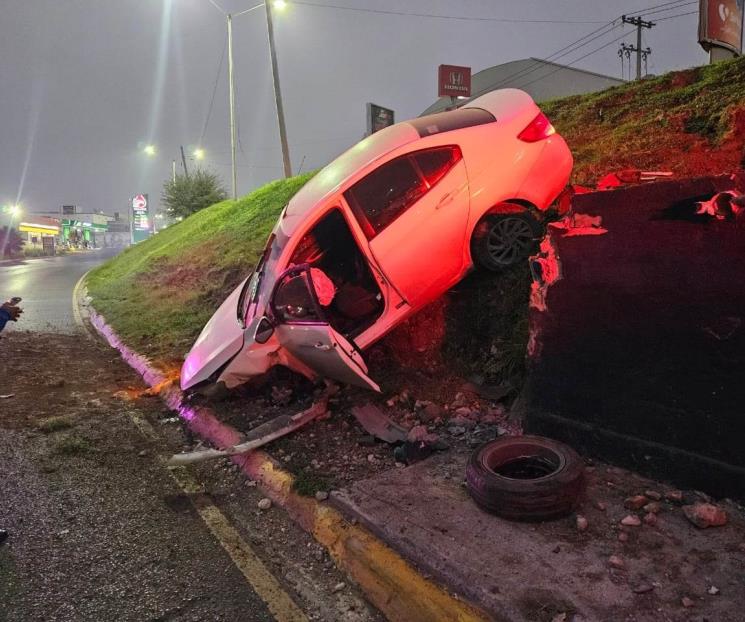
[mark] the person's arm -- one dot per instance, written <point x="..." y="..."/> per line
<point x="8" y="313"/>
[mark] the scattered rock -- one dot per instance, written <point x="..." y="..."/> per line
<point x="419" y="434"/>
<point x="339" y="587"/>
<point x="456" y="430"/>
<point x="741" y="546"/>
<point x="143" y="453"/>
<point x="686" y="602"/>
<point x="623" y="537"/>
<point x="371" y="458"/>
<point x="650" y="519"/>
<point x="636" y="502"/>
<point x="642" y="588"/>
<point x="616" y="562"/>
<point x="250" y="484"/>
<point x="653" y="507"/>
<point x="675" y="496"/>
<point x="601" y="506"/>
<point x="705" y="515"/>
<point x="581" y="523"/>
<point x="322" y="495"/>
<point x="631" y="521"/>
<point x="264" y="504"/>
<point x="713" y="590"/>
<point x="463" y="422"/>
<point x="559" y="617"/>
<point x="431" y="412"/>
<point x="652" y="494"/>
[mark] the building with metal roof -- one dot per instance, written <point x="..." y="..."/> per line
<point x="542" y="79"/>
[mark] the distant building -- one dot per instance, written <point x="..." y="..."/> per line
<point x="543" y="80"/>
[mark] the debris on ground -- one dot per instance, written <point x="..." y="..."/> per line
<point x="376" y="423"/>
<point x="705" y="515"/>
<point x="264" y="504"/>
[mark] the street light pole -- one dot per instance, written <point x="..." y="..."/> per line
<point x="278" y="93"/>
<point x="231" y="89"/>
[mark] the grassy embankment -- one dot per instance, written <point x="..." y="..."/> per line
<point x="159" y="294"/>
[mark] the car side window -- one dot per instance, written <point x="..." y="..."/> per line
<point x="435" y="163"/>
<point x="382" y="196"/>
<point x="386" y="193"/>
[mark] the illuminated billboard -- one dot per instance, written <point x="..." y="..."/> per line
<point x="142" y="225"/>
<point x="720" y="24"/>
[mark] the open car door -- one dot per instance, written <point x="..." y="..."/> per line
<point x="302" y="329"/>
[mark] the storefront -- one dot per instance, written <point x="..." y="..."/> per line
<point x="40" y="234"/>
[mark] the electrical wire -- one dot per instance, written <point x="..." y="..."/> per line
<point x="675" y="3"/>
<point x="670" y="8"/>
<point x="625" y="34"/>
<point x="662" y="19"/>
<point x="436" y="16"/>
<point x="214" y="91"/>
<point x="218" y="7"/>
<point x="569" y="49"/>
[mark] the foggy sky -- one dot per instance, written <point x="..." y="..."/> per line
<point x="85" y="84"/>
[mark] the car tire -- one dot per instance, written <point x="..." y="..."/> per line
<point x="525" y="478"/>
<point x="502" y="240"/>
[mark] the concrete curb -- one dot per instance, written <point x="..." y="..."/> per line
<point x="390" y="582"/>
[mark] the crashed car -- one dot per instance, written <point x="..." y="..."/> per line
<point x="382" y="231"/>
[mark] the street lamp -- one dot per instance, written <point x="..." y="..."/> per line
<point x="199" y="154"/>
<point x="149" y="150"/>
<point x="279" y="5"/>
<point x="14" y="210"/>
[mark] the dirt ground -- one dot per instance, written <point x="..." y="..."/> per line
<point x="100" y="531"/>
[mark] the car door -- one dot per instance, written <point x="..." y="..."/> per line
<point x="414" y="211"/>
<point x="302" y="330"/>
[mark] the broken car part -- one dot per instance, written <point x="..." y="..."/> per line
<point x="258" y="437"/>
<point x="525" y="478"/>
<point x="377" y="424"/>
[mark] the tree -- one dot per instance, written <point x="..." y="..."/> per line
<point x="10" y="242"/>
<point x="188" y="194"/>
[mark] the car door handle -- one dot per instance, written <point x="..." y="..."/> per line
<point x="445" y="200"/>
<point x="322" y="346"/>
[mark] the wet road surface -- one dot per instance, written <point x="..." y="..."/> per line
<point x="46" y="285"/>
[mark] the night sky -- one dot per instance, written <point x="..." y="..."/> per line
<point x="86" y="84"/>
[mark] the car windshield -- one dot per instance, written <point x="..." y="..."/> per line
<point x="266" y="265"/>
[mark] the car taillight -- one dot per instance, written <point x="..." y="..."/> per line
<point x="538" y="129"/>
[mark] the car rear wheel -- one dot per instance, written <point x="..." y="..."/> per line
<point x="503" y="240"/>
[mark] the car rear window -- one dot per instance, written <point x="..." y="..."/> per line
<point x="451" y="120"/>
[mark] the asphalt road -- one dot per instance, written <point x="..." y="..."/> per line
<point x="46" y="286"/>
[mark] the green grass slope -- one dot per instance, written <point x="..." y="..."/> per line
<point x="689" y="122"/>
<point x="160" y="293"/>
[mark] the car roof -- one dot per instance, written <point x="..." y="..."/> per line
<point x="502" y="104"/>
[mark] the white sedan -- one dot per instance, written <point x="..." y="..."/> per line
<point x="382" y="231"/>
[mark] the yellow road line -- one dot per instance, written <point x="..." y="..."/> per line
<point x="261" y="580"/>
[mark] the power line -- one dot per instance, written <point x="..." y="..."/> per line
<point x="678" y="15"/>
<point x="455" y="17"/>
<point x="605" y="45"/>
<point x="670" y="8"/>
<point x="214" y="91"/>
<point x="572" y="47"/>
<point x="649" y="9"/>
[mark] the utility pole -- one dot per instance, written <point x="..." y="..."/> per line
<point x="183" y="161"/>
<point x="173" y="171"/>
<point x="231" y="93"/>
<point x="639" y="23"/>
<point x="278" y="93"/>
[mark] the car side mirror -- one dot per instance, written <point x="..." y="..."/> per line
<point x="264" y="331"/>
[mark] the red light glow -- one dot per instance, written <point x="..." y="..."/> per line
<point x="538" y="129"/>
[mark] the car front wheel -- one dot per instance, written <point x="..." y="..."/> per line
<point x="503" y="240"/>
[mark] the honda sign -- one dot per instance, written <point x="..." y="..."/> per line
<point x="454" y="81"/>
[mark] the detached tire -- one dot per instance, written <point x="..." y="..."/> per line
<point x="528" y="478"/>
<point x="502" y="240"/>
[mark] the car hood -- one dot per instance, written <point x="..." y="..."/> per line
<point x="220" y="340"/>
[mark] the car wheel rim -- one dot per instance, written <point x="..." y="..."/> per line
<point x="509" y="240"/>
